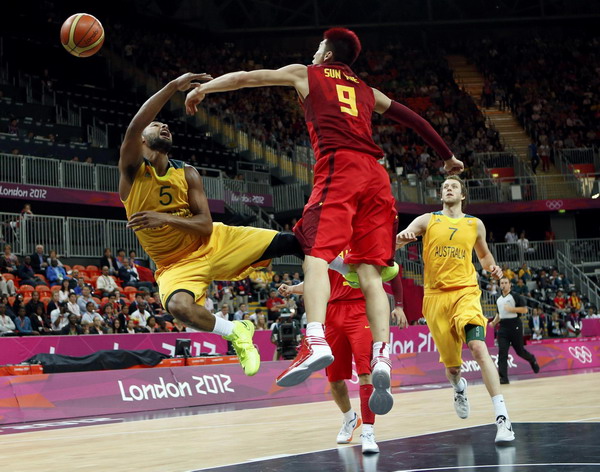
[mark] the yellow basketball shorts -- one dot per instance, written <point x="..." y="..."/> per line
<point x="230" y="254"/>
<point x="447" y="313"/>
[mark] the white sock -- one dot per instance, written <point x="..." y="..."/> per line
<point x="338" y="265"/>
<point x="367" y="428"/>
<point x="315" y="329"/>
<point x="381" y="350"/>
<point x="499" y="406"/>
<point x="349" y="415"/>
<point x="460" y="385"/>
<point x="222" y="327"/>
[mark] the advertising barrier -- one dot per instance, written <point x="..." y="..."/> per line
<point x="69" y="195"/>
<point x="30" y="398"/>
<point x="14" y="350"/>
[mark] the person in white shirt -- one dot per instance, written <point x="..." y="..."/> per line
<point x="209" y="304"/>
<point x="73" y="306"/>
<point x="523" y="243"/>
<point x="90" y="314"/>
<point x="223" y="313"/>
<point x="6" y="323"/>
<point x="511" y="236"/>
<point x="106" y="283"/>
<point x="59" y="317"/>
<point x="239" y="315"/>
<point x="141" y="315"/>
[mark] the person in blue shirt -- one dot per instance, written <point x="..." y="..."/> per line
<point x="23" y="323"/>
<point x="55" y="273"/>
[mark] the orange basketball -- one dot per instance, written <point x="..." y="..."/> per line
<point x="82" y="35"/>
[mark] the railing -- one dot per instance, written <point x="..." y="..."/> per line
<point x="288" y="197"/>
<point x="69" y="237"/>
<point x="506" y="189"/>
<point x="582" y="281"/>
<point x="105" y="178"/>
<point x="536" y="254"/>
<point x="96" y="136"/>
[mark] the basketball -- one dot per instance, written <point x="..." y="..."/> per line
<point x="82" y="35"/>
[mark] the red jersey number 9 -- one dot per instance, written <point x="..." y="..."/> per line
<point x="347" y="96"/>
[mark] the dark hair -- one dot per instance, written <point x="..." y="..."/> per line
<point x="344" y="44"/>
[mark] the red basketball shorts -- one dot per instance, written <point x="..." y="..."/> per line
<point x="348" y="333"/>
<point x="351" y="205"/>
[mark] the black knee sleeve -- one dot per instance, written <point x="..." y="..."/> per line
<point x="283" y="244"/>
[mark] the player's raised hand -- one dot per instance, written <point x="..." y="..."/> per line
<point x="405" y="237"/>
<point x="399" y="317"/>
<point x="496" y="271"/>
<point x="453" y="166"/>
<point x="189" y="80"/>
<point x="193" y="99"/>
<point x="285" y="290"/>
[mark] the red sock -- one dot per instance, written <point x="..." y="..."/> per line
<point x="368" y="417"/>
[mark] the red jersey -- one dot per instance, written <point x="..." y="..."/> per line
<point x="338" y="111"/>
<point x="341" y="291"/>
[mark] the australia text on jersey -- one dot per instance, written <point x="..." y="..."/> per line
<point x="450" y="252"/>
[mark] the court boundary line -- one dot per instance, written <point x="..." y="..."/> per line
<point x="487" y="466"/>
<point x="266" y="458"/>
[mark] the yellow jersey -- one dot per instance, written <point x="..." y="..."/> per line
<point x="447" y="252"/>
<point x="166" y="194"/>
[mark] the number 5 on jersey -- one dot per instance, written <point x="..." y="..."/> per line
<point x="347" y="96"/>
<point x="165" y="197"/>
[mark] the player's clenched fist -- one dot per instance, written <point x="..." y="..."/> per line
<point x="405" y="237"/>
<point x="496" y="271"/>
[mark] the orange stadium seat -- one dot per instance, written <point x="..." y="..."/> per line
<point x="94" y="279"/>
<point x="26" y="289"/>
<point x="45" y="301"/>
<point x="67" y="267"/>
<point x="42" y="277"/>
<point x="130" y="289"/>
<point x="87" y="280"/>
<point x="92" y="268"/>
<point x="26" y="300"/>
<point x="43" y="289"/>
<point x="79" y="267"/>
<point x="55" y="288"/>
<point x="96" y="299"/>
<point x="8" y="276"/>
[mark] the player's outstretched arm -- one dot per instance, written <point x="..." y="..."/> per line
<point x="199" y="224"/>
<point x="416" y="228"/>
<point x="405" y="116"/>
<point x="484" y="255"/>
<point x="131" y="148"/>
<point x="293" y="75"/>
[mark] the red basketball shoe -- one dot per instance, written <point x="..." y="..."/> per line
<point x="314" y="354"/>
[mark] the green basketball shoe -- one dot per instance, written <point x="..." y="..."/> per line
<point x="387" y="274"/>
<point x="241" y="339"/>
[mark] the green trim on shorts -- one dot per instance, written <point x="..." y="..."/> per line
<point x="474" y="333"/>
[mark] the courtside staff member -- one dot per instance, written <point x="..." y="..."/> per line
<point x="510" y="307"/>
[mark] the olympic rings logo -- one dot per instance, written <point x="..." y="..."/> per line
<point x="581" y="353"/>
<point x="554" y="204"/>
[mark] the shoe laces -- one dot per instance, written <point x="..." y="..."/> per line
<point x="370" y="437"/>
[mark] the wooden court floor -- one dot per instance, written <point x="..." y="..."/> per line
<point x="188" y="443"/>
